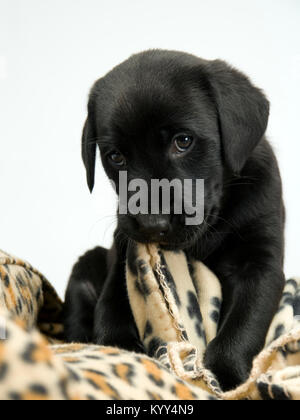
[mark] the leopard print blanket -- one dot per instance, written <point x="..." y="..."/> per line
<point x="176" y="305"/>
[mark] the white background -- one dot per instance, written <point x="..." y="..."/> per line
<point x="51" y="51"/>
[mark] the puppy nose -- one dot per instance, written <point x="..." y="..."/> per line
<point x="154" y="227"/>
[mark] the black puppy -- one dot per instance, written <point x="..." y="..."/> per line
<point x="165" y="114"/>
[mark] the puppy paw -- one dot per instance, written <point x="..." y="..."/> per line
<point x="228" y="366"/>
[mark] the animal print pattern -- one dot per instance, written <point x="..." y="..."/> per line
<point x="35" y="365"/>
<point x="176" y="304"/>
<point x="30" y="369"/>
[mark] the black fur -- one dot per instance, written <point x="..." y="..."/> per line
<point x="136" y="109"/>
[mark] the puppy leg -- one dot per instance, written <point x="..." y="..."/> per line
<point x="84" y="288"/>
<point x="252" y="298"/>
<point x="114" y="323"/>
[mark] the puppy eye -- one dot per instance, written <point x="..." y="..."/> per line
<point x="117" y="158"/>
<point x="181" y="143"/>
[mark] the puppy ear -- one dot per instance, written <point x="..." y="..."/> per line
<point x="243" y="113"/>
<point x="89" y="152"/>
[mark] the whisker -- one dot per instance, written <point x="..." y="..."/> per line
<point x="238" y="185"/>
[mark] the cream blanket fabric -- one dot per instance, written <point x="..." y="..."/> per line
<point x="176" y="307"/>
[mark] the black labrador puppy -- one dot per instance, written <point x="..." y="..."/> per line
<point x="170" y="115"/>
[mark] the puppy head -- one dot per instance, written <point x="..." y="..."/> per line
<point x="172" y="116"/>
